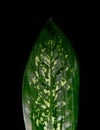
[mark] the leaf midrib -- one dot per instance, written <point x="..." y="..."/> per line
<point x="50" y="90"/>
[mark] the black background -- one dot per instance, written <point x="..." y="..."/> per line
<point x="80" y="24"/>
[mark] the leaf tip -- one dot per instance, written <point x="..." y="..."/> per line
<point x="50" y="19"/>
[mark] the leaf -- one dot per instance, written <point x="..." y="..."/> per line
<point x="51" y="83"/>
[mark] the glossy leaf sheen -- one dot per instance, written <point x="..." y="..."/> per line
<point x="50" y="83"/>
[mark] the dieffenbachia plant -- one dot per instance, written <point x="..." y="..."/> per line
<point x="51" y="83"/>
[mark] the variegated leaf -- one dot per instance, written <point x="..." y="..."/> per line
<point x="50" y="83"/>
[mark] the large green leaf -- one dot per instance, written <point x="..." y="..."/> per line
<point x="50" y="83"/>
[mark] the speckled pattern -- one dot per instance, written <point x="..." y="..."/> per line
<point x="50" y="83"/>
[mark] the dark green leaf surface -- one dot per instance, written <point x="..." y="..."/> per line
<point x="50" y="83"/>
